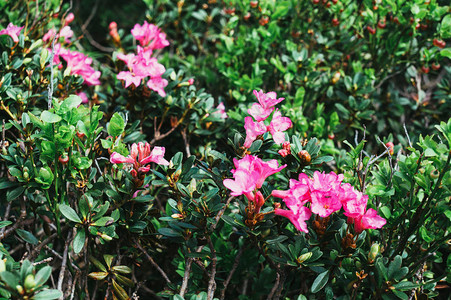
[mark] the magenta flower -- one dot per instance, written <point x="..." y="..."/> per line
<point x="325" y="203"/>
<point x="325" y="182"/>
<point x="249" y="174"/>
<point x="265" y="106"/>
<point x="150" y="36"/>
<point x="277" y="127"/>
<point x="140" y="156"/>
<point x="78" y="64"/>
<point x="220" y="111"/>
<point x="140" y="67"/>
<point x="69" y="18"/>
<point x="298" y="217"/>
<point x="13" y="31"/>
<point x="253" y="129"/>
<point x="358" y="215"/>
<point x="83" y="97"/>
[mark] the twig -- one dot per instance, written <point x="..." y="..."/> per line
<point x="189" y="261"/>
<point x="232" y="271"/>
<point x="220" y="213"/>
<point x="38" y="248"/>
<point x="153" y="262"/>
<point x="212" y="282"/>
<point x="63" y="265"/>
<point x="7" y="211"/>
<point x="274" y="288"/>
<point x="186" y="141"/>
<point x="407" y="134"/>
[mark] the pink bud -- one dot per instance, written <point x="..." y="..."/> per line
<point x="70" y="17"/>
<point x="191" y="81"/>
<point x="113" y="25"/>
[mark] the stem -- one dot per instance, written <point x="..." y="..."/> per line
<point x="212" y="282"/>
<point x="153" y="262"/>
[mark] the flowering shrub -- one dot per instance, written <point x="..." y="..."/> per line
<point x="126" y="173"/>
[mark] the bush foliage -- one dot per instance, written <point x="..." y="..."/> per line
<point x="225" y="149"/>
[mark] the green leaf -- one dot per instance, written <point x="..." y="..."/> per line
<point x="13" y="194"/>
<point x="98" y="264"/>
<point x="79" y="240"/>
<point x="9" y="278"/>
<point x="48" y="295"/>
<point x="320" y="281"/>
<point x="27" y="236"/>
<point x="43" y="275"/>
<point x="104" y="221"/>
<point x="70" y="213"/>
<point x="405" y="286"/>
<point x="424" y="235"/>
<point x="98" y="275"/>
<point x="73" y="101"/>
<point x="445" y="27"/>
<point x="5" y="223"/>
<point x="49" y="117"/>
<point x="116" y="125"/>
<point x="169" y="232"/>
<point x="446" y="52"/>
<point x="394" y="266"/>
<point x="108" y="259"/>
<point x="119" y="291"/>
<point x="122" y="269"/>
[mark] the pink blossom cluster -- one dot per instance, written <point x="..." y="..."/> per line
<point x="249" y="175"/>
<point x="260" y="112"/>
<point x="13" y="31"/>
<point x="140" y="156"/>
<point x="142" y="65"/>
<point x="149" y="36"/>
<point x="78" y="64"/>
<point x="325" y="195"/>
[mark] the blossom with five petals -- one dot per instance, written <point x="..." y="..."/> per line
<point x="150" y="36"/>
<point x="278" y="125"/>
<point x="13" y="31"/>
<point x="140" y="156"/>
<point x="265" y="106"/>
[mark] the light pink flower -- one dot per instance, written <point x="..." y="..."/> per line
<point x="277" y="127"/>
<point x="49" y="35"/>
<point x="13" y="31"/>
<point x="298" y="218"/>
<point x="325" y="182"/>
<point x="83" y="96"/>
<point x="79" y="64"/>
<point x="253" y="129"/>
<point x="150" y="36"/>
<point x="140" y="156"/>
<point x="220" y="110"/>
<point x="265" y="106"/>
<point x="249" y="174"/>
<point x="157" y="84"/>
<point x="66" y="33"/>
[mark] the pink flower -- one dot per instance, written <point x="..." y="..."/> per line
<point x="325" y="182"/>
<point x="79" y="64"/>
<point x="253" y="129"/>
<point x="66" y="33"/>
<point x="149" y="36"/>
<point x="140" y="156"/>
<point x="13" y="31"/>
<point x="191" y="81"/>
<point x="298" y="217"/>
<point x="325" y="203"/>
<point x="220" y="111"/>
<point x="69" y="18"/>
<point x="265" y="106"/>
<point x="157" y="84"/>
<point x="358" y="215"/>
<point x="141" y="66"/>
<point x="250" y="174"/>
<point x="49" y="35"/>
<point x="277" y="126"/>
<point x="83" y="96"/>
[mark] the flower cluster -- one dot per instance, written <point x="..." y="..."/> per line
<point x="260" y="112"/>
<point x="326" y="194"/>
<point x="140" y="156"/>
<point x="149" y="36"/>
<point x="142" y="65"/>
<point x="249" y="175"/>
<point x="13" y="31"/>
<point x="77" y="63"/>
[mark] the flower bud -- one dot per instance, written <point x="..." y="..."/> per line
<point x="19" y="288"/>
<point x="70" y="17"/>
<point x="304" y="257"/>
<point x="305" y="157"/>
<point x="374" y="251"/>
<point x="30" y="283"/>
